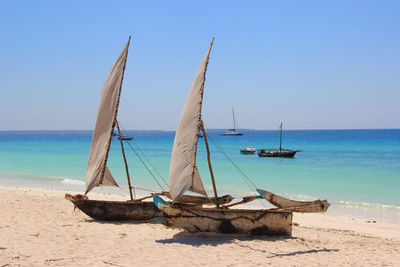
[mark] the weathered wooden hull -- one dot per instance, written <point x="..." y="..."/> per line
<point x="294" y="205"/>
<point x="197" y="200"/>
<point x="116" y="210"/>
<point x="232" y="221"/>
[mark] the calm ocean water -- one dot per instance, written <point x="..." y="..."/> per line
<point x="358" y="171"/>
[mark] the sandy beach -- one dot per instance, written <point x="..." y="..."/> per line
<point x="39" y="228"/>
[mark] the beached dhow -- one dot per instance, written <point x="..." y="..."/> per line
<point x="97" y="173"/>
<point x="185" y="176"/>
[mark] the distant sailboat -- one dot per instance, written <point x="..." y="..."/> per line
<point x="123" y="136"/>
<point x="184" y="176"/>
<point x="281" y="152"/>
<point x="233" y="131"/>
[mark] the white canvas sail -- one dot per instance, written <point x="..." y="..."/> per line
<point x="183" y="174"/>
<point x="97" y="172"/>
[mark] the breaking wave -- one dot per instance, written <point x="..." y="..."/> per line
<point x="69" y="181"/>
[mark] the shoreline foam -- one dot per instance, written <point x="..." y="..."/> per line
<point x="354" y="209"/>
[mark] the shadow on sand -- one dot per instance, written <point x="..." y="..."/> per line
<point x="90" y="220"/>
<point x="302" y="252"/>
<point x="214" y="239"/>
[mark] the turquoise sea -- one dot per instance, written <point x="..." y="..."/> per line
<point x="358" y="171"/>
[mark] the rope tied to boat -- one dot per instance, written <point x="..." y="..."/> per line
<point x="246" y="179"/>
<point x="143" y="163"/>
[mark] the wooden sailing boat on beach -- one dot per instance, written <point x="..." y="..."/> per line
<point x="281" y="152"/>
<point x="97" y="173"/>
<point x="185" y="176"/>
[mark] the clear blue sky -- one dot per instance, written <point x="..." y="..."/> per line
<point x="310" y="64"/>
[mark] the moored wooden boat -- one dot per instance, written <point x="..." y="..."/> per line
<point x="226" y="221"/>
<point x="125" y="138"/>
<point x="276" y="153"/>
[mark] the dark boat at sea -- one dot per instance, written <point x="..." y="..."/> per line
<point x="277" y="152"/>
<point x="122" y="137"/>
<point x="125" y="138"/>
<point x="284" y="153"/>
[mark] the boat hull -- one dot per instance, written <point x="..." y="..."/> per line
<point x="227" y="221"/>
<point x="232" y="134"/>
<point x="116" y="210"/>
<point x="248" y="150"/>
<point x="126" y="138"/>
<point x="196" y="200"/>
<point x="277" y="154"/>
<point x="294" y="205"/>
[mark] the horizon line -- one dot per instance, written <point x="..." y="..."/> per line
<point x="213" y="129"/>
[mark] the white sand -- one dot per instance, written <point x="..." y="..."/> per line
<point x="40" y="228"/>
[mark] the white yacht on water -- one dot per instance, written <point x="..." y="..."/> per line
<point x="233" y="131"/>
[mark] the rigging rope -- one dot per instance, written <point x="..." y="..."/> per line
<point x="137" y="188"/>
<point x="150" y="163"/>
<point x="246" y="179"/>
<point x="144" y="164"/>
<point x="147" y="159"/>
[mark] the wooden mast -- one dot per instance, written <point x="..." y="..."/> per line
<point x="280" y="143"/>
<point x="209" y="163"/>
<point x="126" y="163"/>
